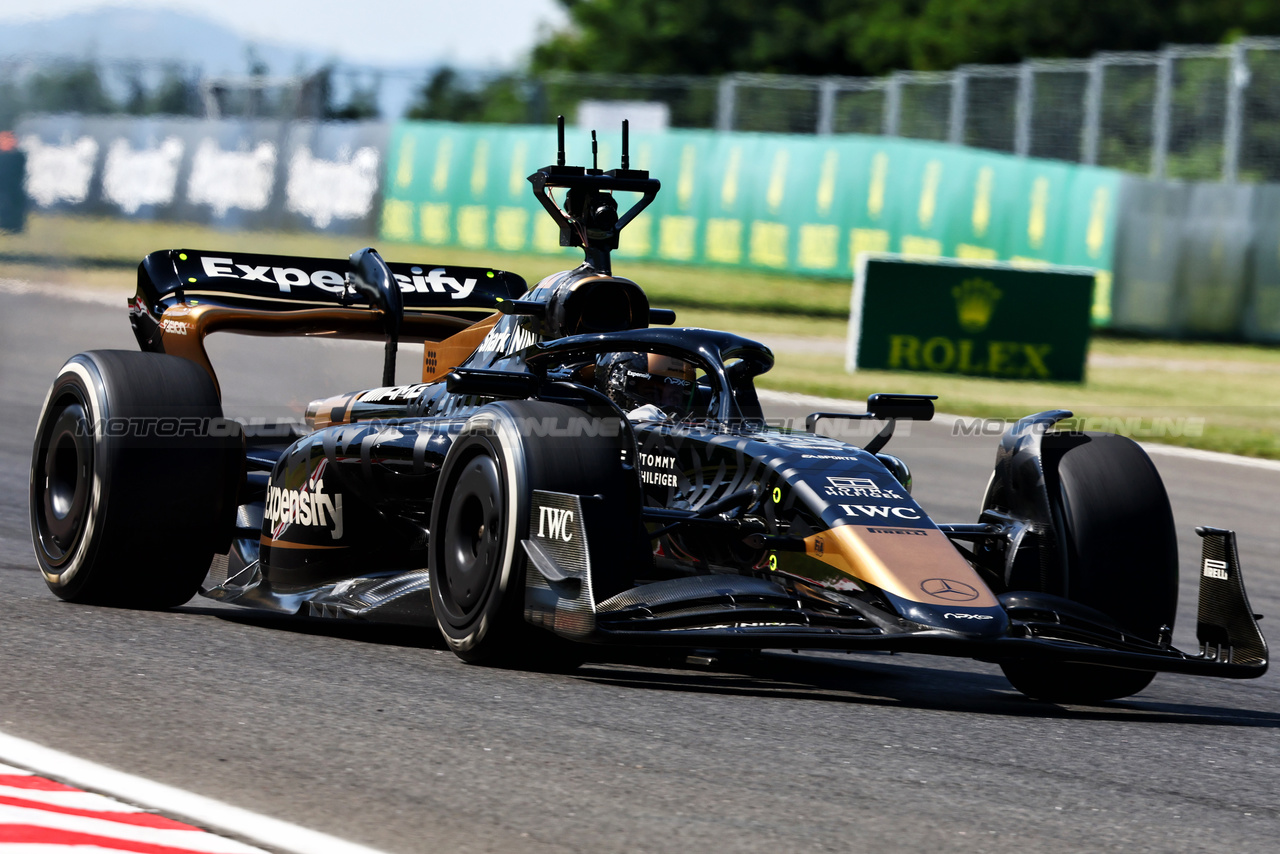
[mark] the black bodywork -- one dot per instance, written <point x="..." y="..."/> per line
<point x="756" y="537"/>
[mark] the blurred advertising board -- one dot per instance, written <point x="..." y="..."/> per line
<point x="974" y="319"/>
<point x="13" y="202"/>
<point x="801" y="204"/>
<point x="1198" y="260"/>
<point x="1261" y="315"/>
<point x="233" y="173"/>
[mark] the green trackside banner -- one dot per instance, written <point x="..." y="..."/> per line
<point x="799" y="204"/>
<point x="976" y="319"/>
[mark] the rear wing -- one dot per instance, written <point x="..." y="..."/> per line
<point x="184" y="294"/>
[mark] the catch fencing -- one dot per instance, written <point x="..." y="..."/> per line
<point x="1187" y="112"/>
<point x="1175" y="259"/>
<point x="1184" y="112"/>
<point x="1198" y="261"/>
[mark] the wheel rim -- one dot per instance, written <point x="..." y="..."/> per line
<point x="471" y="557"/>
<point x="64" y="479"/>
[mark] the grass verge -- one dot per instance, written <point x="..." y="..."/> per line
<point x="101" y="243"/>
<point x="1216" y="407"/>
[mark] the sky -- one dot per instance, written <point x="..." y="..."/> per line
<point x="473" y="33"/>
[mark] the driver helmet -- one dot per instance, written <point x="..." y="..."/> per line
<point x="635" y="380"/>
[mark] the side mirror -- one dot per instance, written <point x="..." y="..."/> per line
<point x="373" y="279"/>
<point x="909" y="407"/>
<point x="883" y="407"/>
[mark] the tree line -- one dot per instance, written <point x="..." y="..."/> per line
<point x="874" y="37"/>
<point x="108" y="88"/>
<point x="706" y="38"/>
<point x="856" y="38"/>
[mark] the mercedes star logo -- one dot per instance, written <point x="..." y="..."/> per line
<point x="949" y="589"/>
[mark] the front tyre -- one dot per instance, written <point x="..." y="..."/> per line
<point x="480" y="516"/>
<point x="476" y="586"/>
<point x="1118" y="542"/>
<point x="133" y="479"/>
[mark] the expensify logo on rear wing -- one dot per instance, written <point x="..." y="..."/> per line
<point x="287" y="278"/>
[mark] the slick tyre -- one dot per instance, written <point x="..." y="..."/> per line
<point x="134" y="474"/>
<point x="480" y="516"/>
<point x="1117" y="539"/>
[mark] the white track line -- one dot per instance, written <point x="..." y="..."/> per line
<point x="205" y="812"/>
<point x="71" y="800"/>
<point x="787" y="398"/>
<point x="1210" y="456"/>
<point x="187" y="839"/>
<point x="111" y="296"/>
<point x="52" y="848"/>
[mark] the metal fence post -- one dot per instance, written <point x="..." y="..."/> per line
<point x="959" y="107"/>
<point x="1092" y="113"/>
<point x="725" y="102"/>
<point x="535" y="100"/>
<point x="1237" y="80"/>
<point x="826" y="106"/>
<point x="1160" y="115"/>
<point x="893" y="104"/>
<point x="1022" y="112"/>
<point x="209" y="98"/>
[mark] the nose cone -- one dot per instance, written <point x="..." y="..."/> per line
<point x="959" y="616"/>
<point x="912" y="560"/>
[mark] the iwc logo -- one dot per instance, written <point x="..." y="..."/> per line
<point x="555" y="524"/>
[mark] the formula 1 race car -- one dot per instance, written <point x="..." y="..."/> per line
<point x="574" y="470"/>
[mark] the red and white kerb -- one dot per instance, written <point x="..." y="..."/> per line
<point x="39" y="816"/>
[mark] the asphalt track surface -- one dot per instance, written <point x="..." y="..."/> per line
<point x="378" y="736"/>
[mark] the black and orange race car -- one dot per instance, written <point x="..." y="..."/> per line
<point x="574" y="470"/>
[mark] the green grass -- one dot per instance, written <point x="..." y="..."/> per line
<point x="85" y="241"/>
<point x="1227" y="396"/>
<point x="1216" y="409"/>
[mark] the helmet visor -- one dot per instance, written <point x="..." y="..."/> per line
<point x="668" y="384"/>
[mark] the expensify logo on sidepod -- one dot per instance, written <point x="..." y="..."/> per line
<point x="288" y="278"/>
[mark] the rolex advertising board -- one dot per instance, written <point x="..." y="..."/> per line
<point x="982" y="320"/>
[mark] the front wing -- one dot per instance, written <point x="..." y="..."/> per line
<point x="734" y="611"/>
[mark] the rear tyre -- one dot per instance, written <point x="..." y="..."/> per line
<point x="481" y="514"/>
<point x="133" y="479"/>
<point x="1117" y="538"/>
